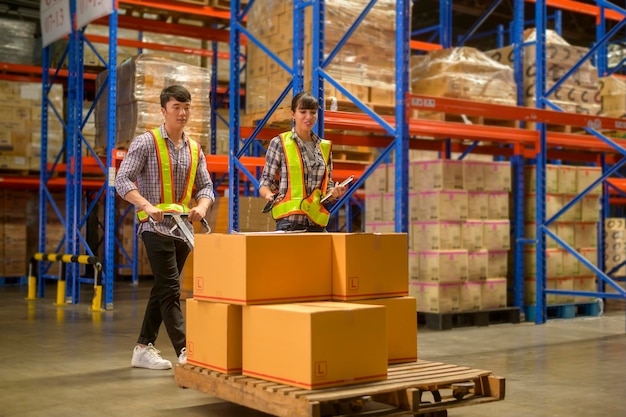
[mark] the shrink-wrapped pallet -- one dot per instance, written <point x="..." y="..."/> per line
<point x="139" y="84"/>
<point x="365" y="65"/>
<point x="578" y="93"/>
<point x="464" y="73"/>
<point x="18" y="43"/>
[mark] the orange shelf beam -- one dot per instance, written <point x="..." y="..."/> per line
<point x="198" y="10"/>
<point x="33" y="70"/>
<point x="424" y="46"/>
<point x="582" y="8"/>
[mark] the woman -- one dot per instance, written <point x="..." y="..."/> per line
<point x="302" y="162"/>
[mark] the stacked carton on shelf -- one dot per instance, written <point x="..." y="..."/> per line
<point x="20" y="144"/>
<point x="459" y="235"/>
<point x="363" y="65"/>
<point x="576" y="94"/>
<point x="330" y="316"/>
<point x="578" y="227"/>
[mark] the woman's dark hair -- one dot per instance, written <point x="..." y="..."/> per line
<point x="305" y="101"/>
<point x="176" y="92"/>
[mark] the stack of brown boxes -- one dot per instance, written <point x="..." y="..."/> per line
<point x="139" y="83"/>
<point x="461" y="234"/>
<point x="577" y="94"/>
<point x="578" y="227"/>
<point x="463" y="73"/>
<point x="615" y="257"/>
<point x="364" y="66"/>
<point x="13" y="254"/>
<point x="301" y="309"/>
<point x="20" y="145"/>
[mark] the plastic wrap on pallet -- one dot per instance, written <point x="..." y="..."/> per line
<point x="366" y="61"/>
<point x="464" y="73"/>
<point x="139" y="84"/>
<point x="18" y="43"/>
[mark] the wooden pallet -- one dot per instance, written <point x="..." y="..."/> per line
<point x="447" y="321"/>
<point x="565" y="311"/>
<point x="405" y="392"/>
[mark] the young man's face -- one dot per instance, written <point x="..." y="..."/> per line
<point x="176" y="113"/>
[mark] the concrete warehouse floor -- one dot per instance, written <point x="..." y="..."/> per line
<point x="68" y="361"/>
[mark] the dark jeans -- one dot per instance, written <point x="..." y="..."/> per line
<point x="167" y="258"/>
<point x="289" y="226"/>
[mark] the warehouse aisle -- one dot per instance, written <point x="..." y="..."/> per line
<point x="68" y="361"/>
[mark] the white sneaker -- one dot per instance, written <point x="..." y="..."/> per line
<point x="149" y="357"/>
<point x="182" y="358"/>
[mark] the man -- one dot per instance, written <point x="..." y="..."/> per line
<point x="166" y="165"/>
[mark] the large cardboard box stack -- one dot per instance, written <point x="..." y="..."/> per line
<point x="614" y="260"/>
<point x="577" y="94"/>
<point x="20" y="141"/>
<point x="460" y="230"/>
<point x="297" y="326"/>
<point x="364" y="65"/>
<point x="464" y="73"/>
<point x="577" y="227"/>
<point x="14" y="256"/>
<point x="140" y="80"/>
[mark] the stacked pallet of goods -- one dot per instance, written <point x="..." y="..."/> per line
<point x="19" y="43"/>
<point x="578" y="227"/>
<point x="333" y="315"/>
<point x="577" y="94"/>
<point x="459" y="230"/>
<point x="462" y="73"/>
<point x="364" y="65"/>
<point x="20" y="145"/>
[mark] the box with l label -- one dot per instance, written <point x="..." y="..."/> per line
<point x="315" y="345"/>
<point x="234" y="268"/>
<point x="214" y="335"/>
<point x="369" y="265"/>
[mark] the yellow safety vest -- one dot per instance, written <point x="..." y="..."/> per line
<point x="168" y="202"/>
<point x="295" y="202"/>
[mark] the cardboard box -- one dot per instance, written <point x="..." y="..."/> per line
<point x="553" y="259"/>
<point x="587" y="284"/>
<point x="368" y="265"/>
<point x="586" y="235"/>
<point x="414" y="266"/>
<point x="477" y="262"/>
<point x="552" y="178"/>
<point x="586" y="176"/>
<point x="472" y="235"/>
<point x="436" y="297"/>
<point x="497" y="234"/>
<point x="436" y="235"/>
<point x="445" y="205"/>
<point x="498" y="205"/>
<point x="214" y="335"/>
<point x="567" y="179"/>
<point x="497" y="263"/>
<point x="315" y="345"/>
<point x="401" y="327"/>
<point x="440" y="174"/>
<point x="443" y="265"/>
<point x="470" y="296"/>
<point x="234" y="268"/>
<point x="493" y="293"/>
<point x="473" y="175"/>
<point x="497" y="176"/>
<point x="477" y="205"/>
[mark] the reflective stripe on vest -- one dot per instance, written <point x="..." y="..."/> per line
<point x="168" y="203"/>
<point x="295" y="202"/>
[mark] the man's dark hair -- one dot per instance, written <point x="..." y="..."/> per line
<point x="305" y="101"/>
<point x="176" y="92"/>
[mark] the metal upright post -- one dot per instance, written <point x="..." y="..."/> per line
<point x="540" y="258"/>
<point x="235" y="106"/>
<point x="319" y="38"/>
<point x="109" y="202"/>
<point x="43" y="167"/>
<point x="403" y="20"/>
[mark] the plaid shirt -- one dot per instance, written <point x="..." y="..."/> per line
<point x="142" y="165"/>
<point x="313" y="167"/>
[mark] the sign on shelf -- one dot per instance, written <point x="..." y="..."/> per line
<point x="55" y="20"/>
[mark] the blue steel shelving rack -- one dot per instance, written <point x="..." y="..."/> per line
<point x="76" y="214"/>
<point x="399" y="132"/>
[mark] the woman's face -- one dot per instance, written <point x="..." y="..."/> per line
<point x="305" y="119"/>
